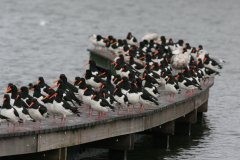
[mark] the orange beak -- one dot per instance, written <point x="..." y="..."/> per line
<point x="166" y="59"/>
<point x="183" y="71"/>
<point x="85" y="89"/>
<point x="177" y="77"/>
<point x="46" y="97"/>
<point x="135" y="84"/>
<point x="145" y="66"/>
<point x="198" y="49"/>
<point x="129" y="57"/>
<point x="168" y="79"/>
<point x="38" y="82"/>
<point x="142" y="57"/>
<point x="115" y="79"/>
<point x="130" y="36"/>
<point x="105" y="39"/>
<point x="162" y="73"/>
<point x="160" y="64"/>
<point x="137" y="45"/>
<point x="122" y="69"/>
<point x="127" y="53"/>
<point x="56" y="80"/>
<point x="102" y="74"/>
<point x="20" y="91"/>
<point x="74" y="81"/>
<point x="120" y="81"/>
<point x="31" y="90"/>
<point x="143" y="78"/>
<point x="115" y="65"/>
<point x="115" y="90"/>
<point x="115" y="42"/>
<point x="113" y="62"/>
<point x="104" y="95"/>
<point x="193" y="71"/>
<point x="4" y="99"/>
<point x="100" y="85"/>
<point x="31" y="104"/>
<point x="86" y="64"/>
<point x="53" y="95"/>
<point x="9" y="89"/>
<point x="54" y="86"/>
<point x="94" y="96"/>
<point x="158" y="41"/>
<point x="197" y="54"/>
<point x="204" y="59"/>
<point x="156" y="53"/>
<point x="79" y="82"/>
<point x="152" y="67"/>
<point x="198" y="62"/>
<point x="17" y="96"/>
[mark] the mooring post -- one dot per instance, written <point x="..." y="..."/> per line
<point x="183" y="124"/>
<point x="200" y="110"/>
<point x="118" y="146"/>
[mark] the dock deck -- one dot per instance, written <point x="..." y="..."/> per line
<point x="85" y="129"/>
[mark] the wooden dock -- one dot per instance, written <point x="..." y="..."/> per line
<point x="116" y="132"/>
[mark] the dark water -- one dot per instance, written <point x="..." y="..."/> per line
<point x="29" y="50"/>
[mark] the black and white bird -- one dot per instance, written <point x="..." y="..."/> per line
<point x="93" y="80"/>
<point x="37" y="93"/>
<point x="150" y="87"/>
<point x="131" y="39"/>
<point x="81" y="84"/>
<point x="25" y="95"/>
<point x="186" y="84"/>
<point x="172" y="87"/>
<point x="44" y="88"/>
<point x="22" y="111"/>
<point x="132" y="95"/>
<point x="100" y="105"/>
<point x="48" y="103"/>
<point x="63" y="108"/>
<point x="210" y="63"/>
<point x="125" y="86"/>
<point x="87" y="95"/>
<point x="9" y="113"/>
<point x="37" y="112"/>
<point x="93" y="67"/>
<point x="120" y="98"/>
<point x="137" y="66"/>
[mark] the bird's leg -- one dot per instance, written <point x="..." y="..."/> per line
<point x="118" y="110"/>
<point x="132" y="110"/>
<point x="33" y="125"/>
<point x="186" y="93"/>
<point x="122" y="111"/>
<point x="143" y="108"/>
<point x="61" y="122"/>
<point x="86" y="107"/>
<point x="99" y="115"/>
<point x="19" y="126"/>
<point x="39" y="127"/>
<point x="91" y="112"/>
<point x="14" y="127"/>
<point x="7" y="128"/>
<point x="64" y="121"/>
<point x="23" y="126"/>
<point x="140" y="106"/>
<point x="208" y="80"/>
<point x="54" y="119"/>
<point x="169" y="98"/>
<point x="128" y="110"/>
<point x="173" y="98"/>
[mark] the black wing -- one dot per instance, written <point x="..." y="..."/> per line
<point x="42" y="109"/>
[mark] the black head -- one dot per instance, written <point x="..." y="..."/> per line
<point x="184" y="50"/>
<point x="41" y="79"/>
<point x="99" y="37"/>
<point x="170" y="41"/>
<point x="6" y="98"/>
<point x="37" y="87"/>
<point x="180" y="42"/>
<point x="124" y="78"/>
<point x="145" y="42"/>
<point x="50" y="93"/>
<point x="24" y="90"/>
<point x="200" y="47"/>
<point x="63" y="77"/>
<point x="110" y="37"/>
<point x="194" y="50"/>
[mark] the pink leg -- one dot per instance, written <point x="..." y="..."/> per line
<point x="54" y="119"/>
<point x="89" y="114"/>
<point x="64" y="121"/>
<point x="140" y="106"/>
<point x="173" y="97"/>
<point x="122" y="111"/>
<point x="61" y="122"/>
<point x="23" y="127"/>
<point x="33" y="125"/>
<point x="14" y="127"/>
<point x="86" y="107"/>
<point x="40" y="121"/>
<point x="143" y="108"/>
<point x="99" y="115"/>
<point x="169" y="98"/>
<point x="18" y="126"/>
<point x="7" y="128"/>
<point x="132" y="110"/>
<point x="118" y="110"/>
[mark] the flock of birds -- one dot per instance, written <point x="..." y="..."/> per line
<point x="140" y="69"/>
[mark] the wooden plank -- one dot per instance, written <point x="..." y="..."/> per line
<point x="18" y="145"/>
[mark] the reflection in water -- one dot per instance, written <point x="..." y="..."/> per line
<point x="143" y="148"/>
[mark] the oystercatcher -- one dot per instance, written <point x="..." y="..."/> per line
<point x="131" y="39"/>
<point x="132" y="95"/>
<point x="121" y="98"/>
<point x="9" y="113"/>
<point x="172" y="87"/>
<point x="44" y="88"/>
<point x="62" y="107"/>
